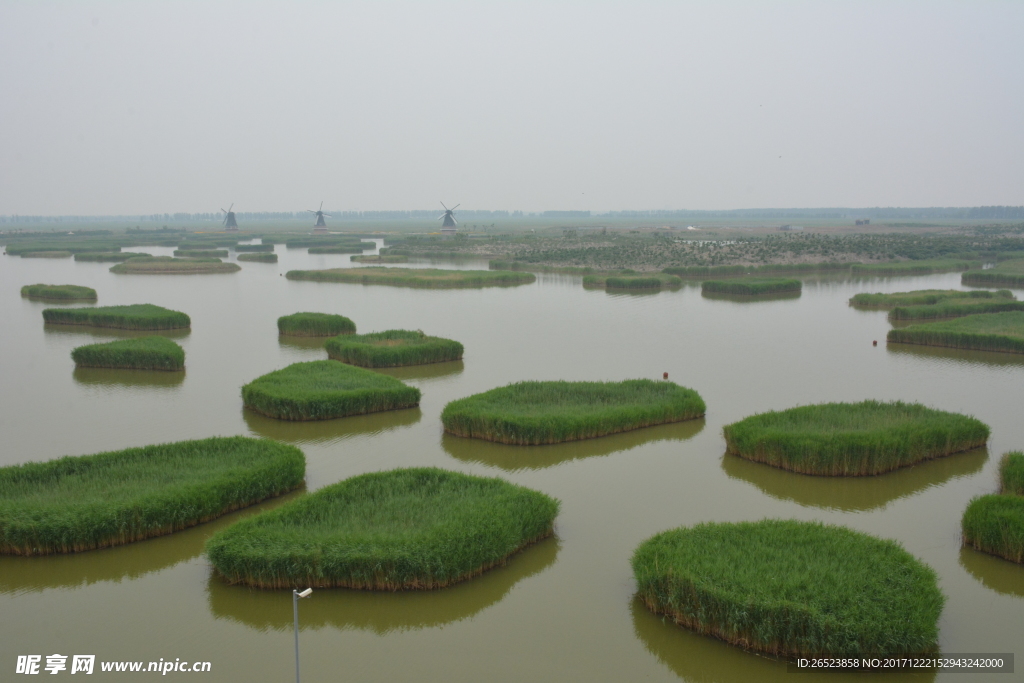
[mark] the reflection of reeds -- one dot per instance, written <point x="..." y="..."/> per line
<point x="993" y="572"/>
<point x="327" y="431"/>
<point x="59" y="330"/>
<point x="111" y="377"/>
<point x="959" y="356"/>
<point x="995" y="523"/>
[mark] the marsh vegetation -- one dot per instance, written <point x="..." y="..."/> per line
<point x="131" y="317"/>
<point x="141" y="353"/>
<point x="392" y="348"/>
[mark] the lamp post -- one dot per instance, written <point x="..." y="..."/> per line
<point x="295" y="609"/>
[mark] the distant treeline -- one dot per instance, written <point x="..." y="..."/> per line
<point x="876" y="213"/>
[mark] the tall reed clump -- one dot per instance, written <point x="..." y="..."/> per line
<point x="655" y="281"/>
<point x="168" y="265"/>
<point x="407" y="529"/>
<point x="338" y="249"/>
<point x="955" y="308"/>
<point x="59" y="292"/>
<point x="751" y="287"/>
<point x="259" y="257"/>
<point x="792" y="588"/>
<point x="107" y="257"/>
<point x="392" y="348"/>
<point x="995" y="523"/>
<point x="381" y="258"/>
<point x="85" y="502"/>
<point x="201" y="253"/>
<point x="54" y="253"/>
<point x="254" y="248"/>
<point x="852" y="439"/>
<point x="984" y="332"/>
<point x="75" y="247"/>
<point x="414" y="277"/>
<point x="924" y="297"/>
<point x="325" y="389"/>
<point x="533" y="413"/>
<point x="321" y="241"/>
<point x="913" y="267"/>
<point x="315" y="325"/>
<point x="133" y="317"/>
<point x="141" y="353"/>
<point x="1005" y="274"/>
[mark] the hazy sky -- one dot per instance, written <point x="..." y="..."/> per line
<point x="147" y="107"/>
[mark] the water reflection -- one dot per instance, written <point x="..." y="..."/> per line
<point x="426" y="371"/>
<point x="750" y="298"/>
<point x="854" y="494"/>
<point x="702" y="659"/>
<point x="377" y="611"/>
<point x="957" y="356"/>
<point x="120" y="563"/>
<point x="295" y="342"/>
<point x="108" y="332"/>
<point x="327" y="431"/>
<point x="127" y="378"/>
<point x="993" y="572"/>
<point x="512" y="458"/>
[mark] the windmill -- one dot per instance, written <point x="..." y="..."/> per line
<point x="320" y="226"/>
<point x="229" y="219"/>
<point x="448" y="226"/>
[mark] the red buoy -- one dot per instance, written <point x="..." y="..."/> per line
<point x="874" y="343"/>
<point x="664" y="375"/>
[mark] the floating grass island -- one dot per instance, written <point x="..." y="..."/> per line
<point x="133" y="317"/>
<point x="325" y="389"/>
<point x="381" y="258"/>
<point x="533" y="413"/>
<point x="924" y="297"/>
<point x="85" y="502"/>
<point x="752" y="287"/>
<point x="141" y="353"/>
<point x="393" y="348"/>
<point x="1005" y="274"/>
<point x="956" y="308"/>
<point x="258" y="257"/>
<point x="852" y="439"/>
<point x="59" y="292"/>
<point x="984" y="332"/>
<point x="995" y="523"/>
<point x="792" y="588"/>
<point x="338" y="249"/>
<point x="315" y="325"/>
<point x="163" y="265"/>
<point x="415" y="277"/>
<point x="648" y="281"/>
<point x="254" y="247"/>
<point x="54" y="253"/>
<point x="1011" y="473"/>
<point x="201" y="253"/>
<point x="107" y="256"/>
<point x="408" y="529"/>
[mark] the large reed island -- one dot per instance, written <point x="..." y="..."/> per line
<point x="984" y="332"/>
<point x="407" y="529"/>
<point x="338" y="249"/>
<point x="201" y="253"/>
<point x="619" y="281"/>
<point x="995" y="523"/>
<point x="141" y="353"/>
<point x="258" y="257"/>
<point x="956" y="308"/>
<point x="254" y="248"/>
<point x="752" y="287"/>
<point x="1005" y="274"/>
<point x="315" y="325"/>
<point x="924" y="297"/>
<point x="107" y="256"/>
<point x="791" y="588"/>
<point x="85" y="502"/>
<point x="132" y="317"/>
<point x="392" y="348"/>
<point x="59" y="292"/>
<point x="168" y="265"/>
<point x="380" y="258"/>
<point x="415" y="277"/>
<point x="852" y="439"/>
<point x="54" y="253"/>
<point x="325" y="389"/>
<point x="533" y="413"/>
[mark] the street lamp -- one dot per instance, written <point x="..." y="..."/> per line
<point x="295" y="609"/>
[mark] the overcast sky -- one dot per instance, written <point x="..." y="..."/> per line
<point x="147" y="107"/>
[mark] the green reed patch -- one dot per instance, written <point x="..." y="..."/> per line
<point x="338" y="249"/>
<point x="325" y="389"/>
<point x="85" y="502"/>
<point x="955" y="308"/>
<point x="415" y="277"/>
<point x="923" y="267"/>
<point x="163" y="265"/>
<point x="791" y="588"/>
<point x="315" y="325"/>
<point x="107" y="256"/>
<point x="381" y="258"/>
<point x="75" y="247"/>
<point x="201" y="253"/>
<point x="392" y="348"/>
<point x="133" y="317"/>
<point x="768" y="269"/>
<point x="46" y="254"/>
<point x="321" y="241"/>
<point x="533" y="413"/>
<point x="406" y="529"/>
<point x="650" y="281"/>
<point x="140" y="353"/>
<point x="751" y="287"/>
<point x="994" y="524"/>
<point x="924" y="297"/>
<point x="1011" y="473"/>
<point x="984" y="332"/>
<point x="211" y="243"/>
<point x="253" y="247"/>
<point x="1005" y="274"/>
<point x="59" y="292"/>
<point x="258" y="258"/>
<point x="852" y="439"/>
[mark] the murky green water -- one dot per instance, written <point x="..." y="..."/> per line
<point x="562" y="610"/>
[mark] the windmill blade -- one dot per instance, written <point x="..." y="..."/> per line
<point x="456" y="206"/>
<point x="231" y="207"/>
<point x="311" y="210"/>
<point x="223" y="210"/>
<point x="445" y="207"/>
<point x="454" y="221"/>
<point x="327" y="215"/>
<point x="321" y="206"/>
<point x="441" y="216"/>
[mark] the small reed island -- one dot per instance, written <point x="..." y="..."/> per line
<point x="381" y="258"/>
<point x="52" y="253"/>
<point x="534" y="413"/>
<point x="315" y="325"/>
<point x="266" y="248"/>
<point x="85" y="502"/>
<point x="392" y="349"/>
<point x="628" y="281"/>
<point x="752" y="287"/>
<point x="133" y="317"/>
<point x="164" y="265"/>
<point x="1003" y="332"/>
<point x="201" y="253"/>
<point x="994" y="523"/>
<point x="438" y="278"/>
<point x="407" y="529"/>
<point x="923" y="297"/>
<point x="107" y="256"/>
<point x="1005" y="274"/>
<point x="326" y="389"/>
<point x="141" y="353"/>
<point x="791" y="589"/>
<point x="852" y="439"/>
<point x="59" y="292"/>
<point x="258" y="257"/>
<point x="932" y="304"/>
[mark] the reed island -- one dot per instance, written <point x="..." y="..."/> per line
<point x="752" y="286"/>
<point x="995" y="523"/>
<point x="315" y="325"/>
<point x="168" y="265"/>
<point x="1003" y="332"/>
<point x="131" y="317"/>
<point x="392" y="349"/>
<point x="437" y="278"/>
<point x="59" y="292"/>
<point x="141" y="353"/>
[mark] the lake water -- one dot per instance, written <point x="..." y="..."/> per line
<point x="561" y="611"/>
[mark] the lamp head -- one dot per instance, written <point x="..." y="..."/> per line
<point x="305" y="594"/>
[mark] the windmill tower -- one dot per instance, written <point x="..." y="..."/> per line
<point x="229" y="220"/>
<point x="448" y="225"/>
<point x="320" y="228"/>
